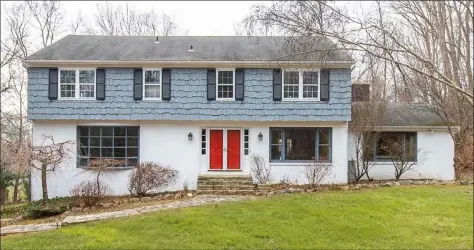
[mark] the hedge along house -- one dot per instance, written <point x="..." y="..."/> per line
<point x="202" y="105"/>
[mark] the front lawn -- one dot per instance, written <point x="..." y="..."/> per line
<point x="399" y="217"/>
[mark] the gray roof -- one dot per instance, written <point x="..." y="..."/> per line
<point x="175" y="48"/>
<point x="410" y="114"/>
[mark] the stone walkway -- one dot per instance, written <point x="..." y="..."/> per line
<point x="197" y="201"/>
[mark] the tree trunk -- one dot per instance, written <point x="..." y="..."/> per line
<point x="44" y="183"/>
<point x="15" y="188"/>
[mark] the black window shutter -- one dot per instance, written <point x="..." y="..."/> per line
<point x="211" y="84"/>
<point x="324" y="85"/>
<point x="100" y="84"/>
<point x="138" y="84"/>
<point x="239" y="84"/>
<point x="53" y="84"/>
<point x="277" y="78"/>
<point x="166" y="84"/>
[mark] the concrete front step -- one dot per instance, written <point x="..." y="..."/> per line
<point x="224" y="187"/>
<point x="225" y="182"/>
<point x="230" y="192"/>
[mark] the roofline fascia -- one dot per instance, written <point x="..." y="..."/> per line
<point x="192" y="64"/>
<point x="414" y="128"/>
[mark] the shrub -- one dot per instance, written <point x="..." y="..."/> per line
<point x="148" y="176"/>
<point x="90" y="192"/>
<point x="260" y="170"/>
<point x="316" y="171"/>
<point x="36" y="212"/>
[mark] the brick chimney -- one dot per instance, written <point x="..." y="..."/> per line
<point x="360" y="92"/>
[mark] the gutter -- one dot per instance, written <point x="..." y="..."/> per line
<point x="415" y="128"/>
<point x="188" y="64"/>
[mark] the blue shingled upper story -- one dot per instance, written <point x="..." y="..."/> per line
<point x="188" y="100"/>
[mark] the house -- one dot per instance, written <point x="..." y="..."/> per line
<point x="202" y="105"/>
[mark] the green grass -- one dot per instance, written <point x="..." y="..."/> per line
<point x="398" y="217"/>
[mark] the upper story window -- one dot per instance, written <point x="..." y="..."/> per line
<point x="225" y="84"/>
<point x="301" y="85"/>
<point x="77" y="83"/>
<point x="152" y="84"/>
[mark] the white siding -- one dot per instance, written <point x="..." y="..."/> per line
<point x="435" y="158"/>
<point x="167" y="143"/>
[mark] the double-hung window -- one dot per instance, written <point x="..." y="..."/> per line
<point x="111" y="142"/>
<point x="77" y="83"/>
<point x="301" y="84"/>
<point x="300" y="144"/>
<point x="225" y="84"/>
<point x="152" y="84"/>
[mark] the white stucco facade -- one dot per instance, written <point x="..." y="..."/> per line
<point x="435" y="157"/>
<point x="167" y="143"/>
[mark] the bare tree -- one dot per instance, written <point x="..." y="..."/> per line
<point x="403" y="159"/>
<point x="315" y="172"/>
<point x="48" y="18"/>
<point x="47" y="157"/>
<point x="260" y="169"/>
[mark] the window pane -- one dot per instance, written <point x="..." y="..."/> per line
<point x="152" y="77"/>
<point x="95" y="142"/>
<point x="119" y="142"/>
<point x="68" y="90"/>
<point x="84" y="162"/>
<point x="95" y="152"/>
<point x="388" y="145"/>
<point x="107" y="142"/>
<point x="86" y="91"/>
<point x="410" y="146"/>
<point x="119" y="152"/>
<point x="67" y="76"/>
<point x="291" y="78"/>
<point x="86" y="76"/>
<point x="246" y="152"/>
<point x="225" y="77"/>
<point x="275" y="152"/>
<point x="119" y="131"/>
<point x="107" y="131"/>
<point x="132" y="152"/>
<point x="310" y="91"/>
<point x="324" y="136"/>
<point x="152" y="91"/>
<point x="83" y="151"/>
<point x="107" y="152"/>
<point x="246" y="132"/>
<point x="275" y="134"/>
<point x="132" y="162"/>
<point x="324" y="153"/>
<point x="84" y="141"/>
<point x="300" y="144"/>
<point x="226" y="91"/>
<point x="310" y="78"/>
<point x="132" y="141"/>
<point x="83" y="131"/>
<point x="132" y="131"/>
<point x="95" y="131"/>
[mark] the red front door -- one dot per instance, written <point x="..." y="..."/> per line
<point x="216" y="148"/>
<point x="233" y="149"/>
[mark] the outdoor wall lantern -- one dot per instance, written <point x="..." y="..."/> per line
<point x="190" y="136"/>
<point x="260" y="136"/>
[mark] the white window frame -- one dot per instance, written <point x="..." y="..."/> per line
<point x="160" y="84"/>
<point x="233" y="84"/>
<point x="77" y="84"/>
<point x="300" y="85"/>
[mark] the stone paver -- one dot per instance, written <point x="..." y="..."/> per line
<point x="28" y="228"/>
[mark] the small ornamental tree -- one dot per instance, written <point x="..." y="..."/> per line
<point x="316" y="171"/>
<point x="403" y="158"/>
<point x="47" y="157"/>
<point x="260" y="169"/>
<point x="148" y="176"/>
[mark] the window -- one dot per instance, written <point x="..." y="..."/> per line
<point x="225" y="84"/>
<point x="301" y="85"/>
<point x="77" y="83"/>
<point x="300" y="144"/>
<point x="203" y="142"/>
<point x="246" y="142"/>
<point x="388" y="145"/>
<point x="120" y="143"/>
<point x="152" y="84"/>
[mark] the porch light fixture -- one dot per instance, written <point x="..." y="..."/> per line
<point x="190" y="136"/>
<point x="260" y="136"/>
<point x="157" y="40"/>
<point x="191" y="49"/>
